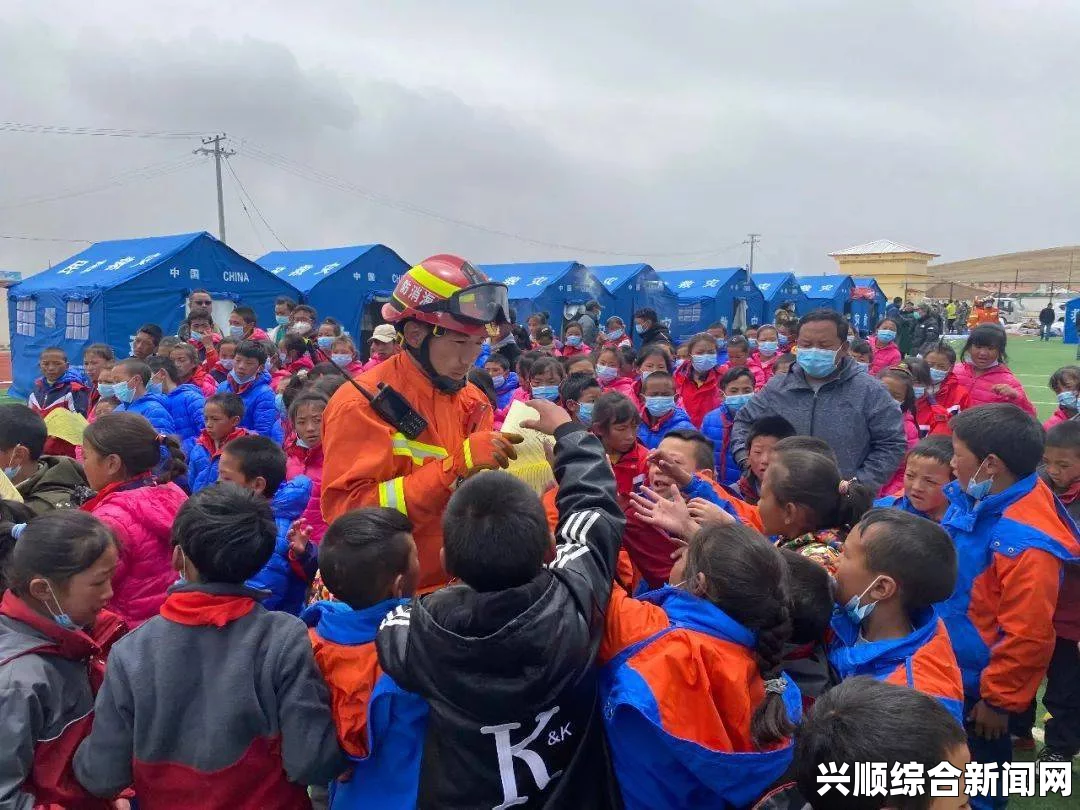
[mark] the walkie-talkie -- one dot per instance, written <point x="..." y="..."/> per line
<point x="391" y="406"/>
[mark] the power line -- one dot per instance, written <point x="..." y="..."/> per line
<point x="23" y="237"/>
<point x="148" y="172"/>
<point x="250" y="219"/>
<point x="251" y="200"/>
<point x="101" y="132"/>
<point x="283" y="163"/>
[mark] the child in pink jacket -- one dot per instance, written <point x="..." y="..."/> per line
<point x="983" y="375"/>
<point x="901" y="386"/>
<point x="886" y="354"/>
<point x="131" y="467"/>
<point x="304" y="454"/>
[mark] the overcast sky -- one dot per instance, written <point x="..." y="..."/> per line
<point x="601" y="131"/>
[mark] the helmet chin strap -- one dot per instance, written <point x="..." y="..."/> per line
<point x="447" y="385"/>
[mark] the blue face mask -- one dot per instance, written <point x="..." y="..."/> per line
<point x="886" y="335"/>
<point x="197" y="337"/>
<point x="658" y="406"/>
<point x="122" y="391"/>
<point x="584" y="413"/>
<point x="615" y="334"/>
<point x="283" y="357"/>
<point x="12" y="471"/>
<point x="281" y="320"/>
<point x="920" y="391"/>
<point x="769" y="347"/>
<point x="863" y="366"/>
<point x="703" y="362"/>
<point x="680" y="362"/>
<point x="640" y="329"/>
<point x="856" y="612"/>
<point x="783" y="340"/>
<point x="240" y="380"/>
<point x="606" y="373"/>
<point x="341" y="359"/>
<point x="499" y="381"/>
<point x="325" y="342"/>
<point x="753" y="342"/>
<point x="817" y="363"/>
<point x="60" y="617"/>
<point x="979" y="489"/>
<point x="279" y="401"/>
<point x="155" y="388"/>
<point x="548" y="392"/>
<point x="938" y="376"/>
<point x="721" y="344"/>
<point x="1067" y="399"/>
<point x="736" y="401"/>
<point x="227" y="363"/>
<point x="106" y="390"/>
<point x="573" y="340"/>
<point x="236" y="331"/>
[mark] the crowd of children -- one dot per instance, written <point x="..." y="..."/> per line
<point x="666" y="627"/>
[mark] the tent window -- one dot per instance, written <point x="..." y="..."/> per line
<point x="49" y="317"/>
<point x="26" y="317"/>
<point x="78" y="320"/>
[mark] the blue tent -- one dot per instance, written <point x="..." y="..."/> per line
<point x="776" y="290"/>
<point x="1071" y="310"/>
<point x="634" y="286"/>
<point x="830" y="292"/>
<point x="558" y="288"/>
<point x="346" y="283"/>
<point x="705" y="296"/>
<point x="867" y="305"/>
<point x="105" y="293"/>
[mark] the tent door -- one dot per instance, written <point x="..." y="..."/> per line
<point x="370" y="317"/>
<point x="738" y="320"/>
<point x="221" y="311"/>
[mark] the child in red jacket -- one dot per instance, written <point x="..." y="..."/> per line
<point x="947" y="391"/>
<point x="614" y="370"/>
<point x="304" y="454"/>
<point x="698" y="382"/>
<point x="615" y="420"/>
<point x="902" y="388"/>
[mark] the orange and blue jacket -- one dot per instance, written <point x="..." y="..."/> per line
<point x="922" y="660"/>
<point x="380" y="726"/>
<point x="369" y="462"/>
<point x="678" y="690"/>
<point x="900" y="501"/>
<point x="1011" y="547"/>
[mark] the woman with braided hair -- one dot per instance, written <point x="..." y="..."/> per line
<point x="697" y="710"/>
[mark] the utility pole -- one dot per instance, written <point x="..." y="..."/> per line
<point x="218" y="152"/>
<point x="752" y="240"/>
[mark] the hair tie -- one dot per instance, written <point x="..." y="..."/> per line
<point x="844" y="487"/>
<point x="17" y="529"/>
<point x="776" y="685"/>
<point x="161" y="439"/>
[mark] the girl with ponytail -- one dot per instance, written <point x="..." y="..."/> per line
<point x="131" y="467"/>
<point x="807" y="505"/>
<point x="692" y="678"/>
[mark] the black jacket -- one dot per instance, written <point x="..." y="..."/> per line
<point x="509" y="675"/>
<point x="1046" y="316"/>
<point x="927" y="330"/>
<point x="656" y="334"/>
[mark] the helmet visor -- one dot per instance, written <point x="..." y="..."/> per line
<point x="481" y="303"/>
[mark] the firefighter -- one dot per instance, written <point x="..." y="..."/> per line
<point x="441" y="309"/>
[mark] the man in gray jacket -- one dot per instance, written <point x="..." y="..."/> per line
<point x="827" y="396"/>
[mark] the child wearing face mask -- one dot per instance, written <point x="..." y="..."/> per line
<point x="660" y="416"/>
<point x="243" y="325"/>
<point x="226" y="359"/>
<point x="293" y="357"/>
<point x="652" y="358"/>
<point x="894" y="568"/>
<point x="883" y="344"/>
<point x="1013" y="537"/>
<point x="544" y="378"/>
<point x="763" y="362"/>
<point x="947" y="391"/>
<point x="1065" y="383"/>
<point x="54" y="637"/>
<point x="738" y="386"/>
<point x="185" y="401"/>
<point x="862" y="353"/>
<point x="573" y="342"/>
<point x="343" y="355"/>
<point x="614" y="336"/>
<point x="502" y="378"/>
<point x="615" y="370"/>
<point x="304" y="455"/>
<point x="738" y="355"/>
<point x="900" y="386"/>
<point x="720" y="335"/>
<point x="328" y="330"/>
<point x="698" y="382"/>
<point x="302" y="321"/>
<point x="578" y="394"/>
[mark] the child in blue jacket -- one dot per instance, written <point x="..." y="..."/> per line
<point x="221" y="414"/>
<point x="737" y="385"/>
<point x="130" y="379"/>
<point x="184" y="401"/>
<point x="369" y="565"/>
<point x="256" y="463"/>
<point x="250" y="381"/>
<point x="928" y="471"/>
<point x="660" y="416"/>
<point x="504" y="380"/>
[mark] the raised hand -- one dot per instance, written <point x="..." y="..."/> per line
<point x="299" y="536"/>
<point x="669" y="514"/>
<point x="703" y="511"/>
<point x="552" y="417"/>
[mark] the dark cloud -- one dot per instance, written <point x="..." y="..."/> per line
<point x="619" y="127"/>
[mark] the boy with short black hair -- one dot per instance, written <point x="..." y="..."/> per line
<point x="1061" y="472"/>
<point x="45" y="482"/>
<point x="928" y="471"/>
<point x="257" y="464"/>
<point x="130" y="379"/>
<point x="578" y="394"/>
<point x="369" y="565"/>
<point x="810" y="604"/>
<point x="864" y="720"/>
<point x="59" y="386"/>
<point x="1012" y="536"/>
<point x="217" y="702"/>
<point x="660" y="415"/>
<point x="243" y="325"/>
<point x="221" y="414"/>
<point x="250" y="381"/>
<point x="502" y="695"/>
<point x="763" y="436"/>
<point x="894" y="567"/>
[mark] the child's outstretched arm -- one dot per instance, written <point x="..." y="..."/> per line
<point x="591" y="521"/>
